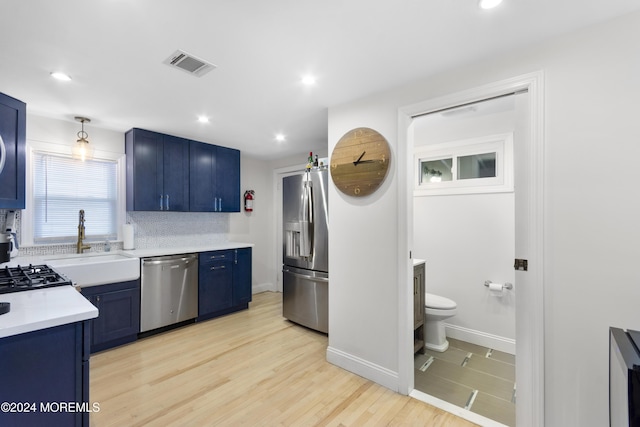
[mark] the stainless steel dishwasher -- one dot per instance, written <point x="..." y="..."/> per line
<point x="169" y="290"/>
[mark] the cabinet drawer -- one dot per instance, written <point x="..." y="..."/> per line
<point x="216" y="257"/>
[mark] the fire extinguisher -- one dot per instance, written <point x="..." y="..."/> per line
<point x="248" y="200"/>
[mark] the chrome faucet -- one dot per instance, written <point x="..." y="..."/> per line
<point x="80" y="247"/>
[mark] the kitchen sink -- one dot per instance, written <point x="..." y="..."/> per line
<point x="83" y="259"/>
<point x="96" y="269"/>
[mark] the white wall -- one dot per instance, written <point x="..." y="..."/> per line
<point x="590" y="224"/>
<point x="59" y="132"/>
<point x="256" y="226"/>
<point x="469" y="238"/>
<point x="363" y="296"/>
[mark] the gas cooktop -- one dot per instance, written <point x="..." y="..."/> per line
<point x="16" y="279"/>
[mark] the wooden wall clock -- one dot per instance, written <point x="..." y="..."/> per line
<point x="360" y="162"/>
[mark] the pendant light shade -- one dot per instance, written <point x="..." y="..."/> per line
<point x="82" y="150"/>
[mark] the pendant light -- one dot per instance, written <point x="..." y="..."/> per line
<point x="81" y="149"/>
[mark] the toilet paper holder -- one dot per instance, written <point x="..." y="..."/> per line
<point x="507" y="286"/>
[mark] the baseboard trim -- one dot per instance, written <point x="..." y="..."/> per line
<point x="484" y="339"/>
<point x="378" y="374"/>
<point x="263" y="287"/>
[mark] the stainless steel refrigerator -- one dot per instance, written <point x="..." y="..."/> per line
<point x="305" y="270"/>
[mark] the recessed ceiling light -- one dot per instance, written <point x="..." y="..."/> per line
<point x="488" y="4"/>
<point x="280" y="137"/>
<point x="203" y="119"/>
<point x="60" y="76"/>
<point x="308" y="80"/>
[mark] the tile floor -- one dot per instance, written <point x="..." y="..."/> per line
<point x="476" y="378"/>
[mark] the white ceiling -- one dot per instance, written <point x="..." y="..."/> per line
<point x="114" y="50"/>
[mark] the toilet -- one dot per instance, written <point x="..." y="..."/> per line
<point x="436" y="310"/>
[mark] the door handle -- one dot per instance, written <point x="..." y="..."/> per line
<point x="167" y="198"/>
<point x="161" y="207"/>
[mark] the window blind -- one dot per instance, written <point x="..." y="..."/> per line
<point x="63" y="186"/>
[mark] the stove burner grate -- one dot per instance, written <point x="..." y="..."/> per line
<point x="20" y="278"/>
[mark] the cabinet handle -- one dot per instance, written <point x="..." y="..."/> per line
<point x="167" y="197"/>
<point x="235" y="261"/>
<point x="217" y="256"/>
<point x="217" y="204"/>
<point x="3" y="154"/>
<point x="218" y="268"/>
<point x="98" y="298"/>
<point x="161" y="208"/>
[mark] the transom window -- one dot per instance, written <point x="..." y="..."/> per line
<point x="479" y="165"/>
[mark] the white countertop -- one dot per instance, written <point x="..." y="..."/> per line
<point x="417" y="261"/>
<point x="141" y="253"/>
<point x="44" y="308"/>
<point x="135" y="253"/>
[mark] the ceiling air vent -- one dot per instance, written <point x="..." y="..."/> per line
<point x="189" y="63"/>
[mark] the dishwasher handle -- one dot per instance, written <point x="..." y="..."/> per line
<point x="168" y="260"/>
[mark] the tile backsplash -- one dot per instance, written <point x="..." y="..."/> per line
<point x="151" y="230"/>
<point x="165" y="229"/>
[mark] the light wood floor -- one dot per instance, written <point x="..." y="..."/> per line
<point x="250" y="368"/>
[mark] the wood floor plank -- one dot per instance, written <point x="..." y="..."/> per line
<point x="249" y="368"/>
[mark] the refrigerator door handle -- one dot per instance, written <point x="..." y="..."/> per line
<point x="306" y="221"/>
<point x="304" y="276"/>
<point x="309" y="190"/>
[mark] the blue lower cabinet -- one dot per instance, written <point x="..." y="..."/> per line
<point x="45" y="377"/>
<point x="242" y="277"/>
<point x="118" y="320"/>
<point x="224" y="282"/>
<point x="215" y="283"/>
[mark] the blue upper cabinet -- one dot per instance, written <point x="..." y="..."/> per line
<point x="176" y="173"/>
<point x="214" y="178"/>
<point x="12" y="152"/>
<point x="228" y="179"/>
<point x="157" y="171"/>
<point x="202" y="177"/>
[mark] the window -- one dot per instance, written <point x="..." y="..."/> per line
<point x="62" y="186"/>
<point x="479" y="165"/>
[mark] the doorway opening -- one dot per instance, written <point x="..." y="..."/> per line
<point x="464" y="224"/>
<point x="528" y="182"/>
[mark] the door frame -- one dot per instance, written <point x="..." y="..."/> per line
<point x="529" y="225"/>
